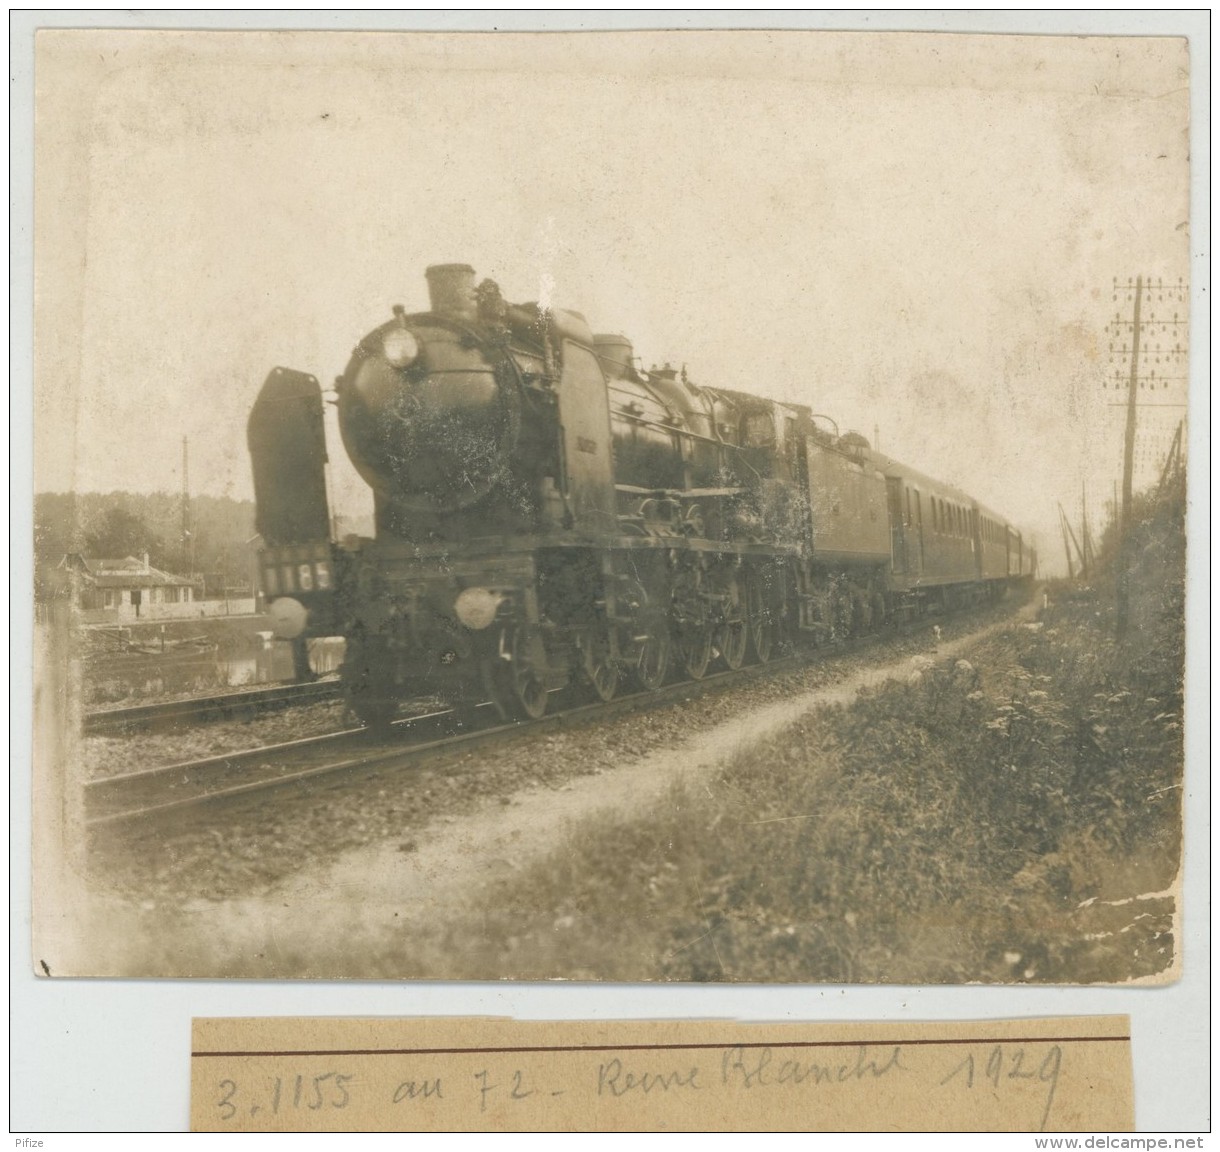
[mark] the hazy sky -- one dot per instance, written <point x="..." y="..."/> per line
<point x="917" y="233"/>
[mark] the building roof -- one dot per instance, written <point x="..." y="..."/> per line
<point x="126" y="564"/>
<point x="127" y="572"/>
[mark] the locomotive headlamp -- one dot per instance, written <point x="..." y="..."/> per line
<point x="477" y="607"/>
<point x="288" y="617"/>
<point x="400" y="347"/>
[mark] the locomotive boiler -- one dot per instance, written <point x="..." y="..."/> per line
<point x="549" y="514"/>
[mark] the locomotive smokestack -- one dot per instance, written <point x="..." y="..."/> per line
<point x="451" y="290"/>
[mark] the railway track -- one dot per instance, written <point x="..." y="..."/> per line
<point x="223" y="706"/>
<point x="157" y="793"/>
<point x="182" y="789"/>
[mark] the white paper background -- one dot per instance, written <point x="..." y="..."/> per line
<point x="111" y="1055"/>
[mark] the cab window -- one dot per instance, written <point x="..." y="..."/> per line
<point x="758" y="430"/>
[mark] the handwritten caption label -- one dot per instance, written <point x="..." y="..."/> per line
<point x="319" y="1075"/>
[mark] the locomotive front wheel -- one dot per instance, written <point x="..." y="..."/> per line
<point x="465" y="716"/>
<point x="518" y="691"/>
<point x="695" y="650"/>
<point x="653" y="663"/>
<point x="302" y="669"/>
<point x="734" y="633"/>
<point x="368" y="684"/>
<point x="374" y="712"/>
<point x="762" y="620"/>
<point x="598" y="665"/>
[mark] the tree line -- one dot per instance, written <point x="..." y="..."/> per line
<point x="213" y="543"/>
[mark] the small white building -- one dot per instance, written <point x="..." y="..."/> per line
<point x="128" y="589"/>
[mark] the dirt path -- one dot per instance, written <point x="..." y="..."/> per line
<point x="389" y="889"/>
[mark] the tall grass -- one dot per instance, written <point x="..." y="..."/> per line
<point x="1009" y="817"/>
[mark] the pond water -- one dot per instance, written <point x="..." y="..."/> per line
<point x="133" y="676"/>
<point x="273" y="662"/>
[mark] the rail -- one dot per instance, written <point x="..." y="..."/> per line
<point x="223" y="706"/>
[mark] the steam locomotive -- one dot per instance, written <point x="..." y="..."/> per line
<point x="549" y="514"/>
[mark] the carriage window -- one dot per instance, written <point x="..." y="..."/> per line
<point x="758" y="430"/>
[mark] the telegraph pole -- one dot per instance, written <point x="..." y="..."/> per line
<point x="1084" y="563"/>
<point x="1129" y="447"/>
<point x="1067" y="548"/>
<point x="1174" y="457"/>
<point x="187" y="542"/>
<point x="1086" y="537"/>
<point x="1164" y="388"/>
<point x="1122" y="600"/>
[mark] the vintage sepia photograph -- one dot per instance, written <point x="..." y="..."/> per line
<point x="698" y="506"/>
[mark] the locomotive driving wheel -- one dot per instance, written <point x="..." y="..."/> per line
<point x="598" y="663"/>
<point x="761" y="618"/>
<point x="733" y="634"/>
<point x="695" y="649"/>
<point x="653" y="663"/>
<point x="517" y="687"/>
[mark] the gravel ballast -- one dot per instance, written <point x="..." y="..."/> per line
<point x="247" y="850"/>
